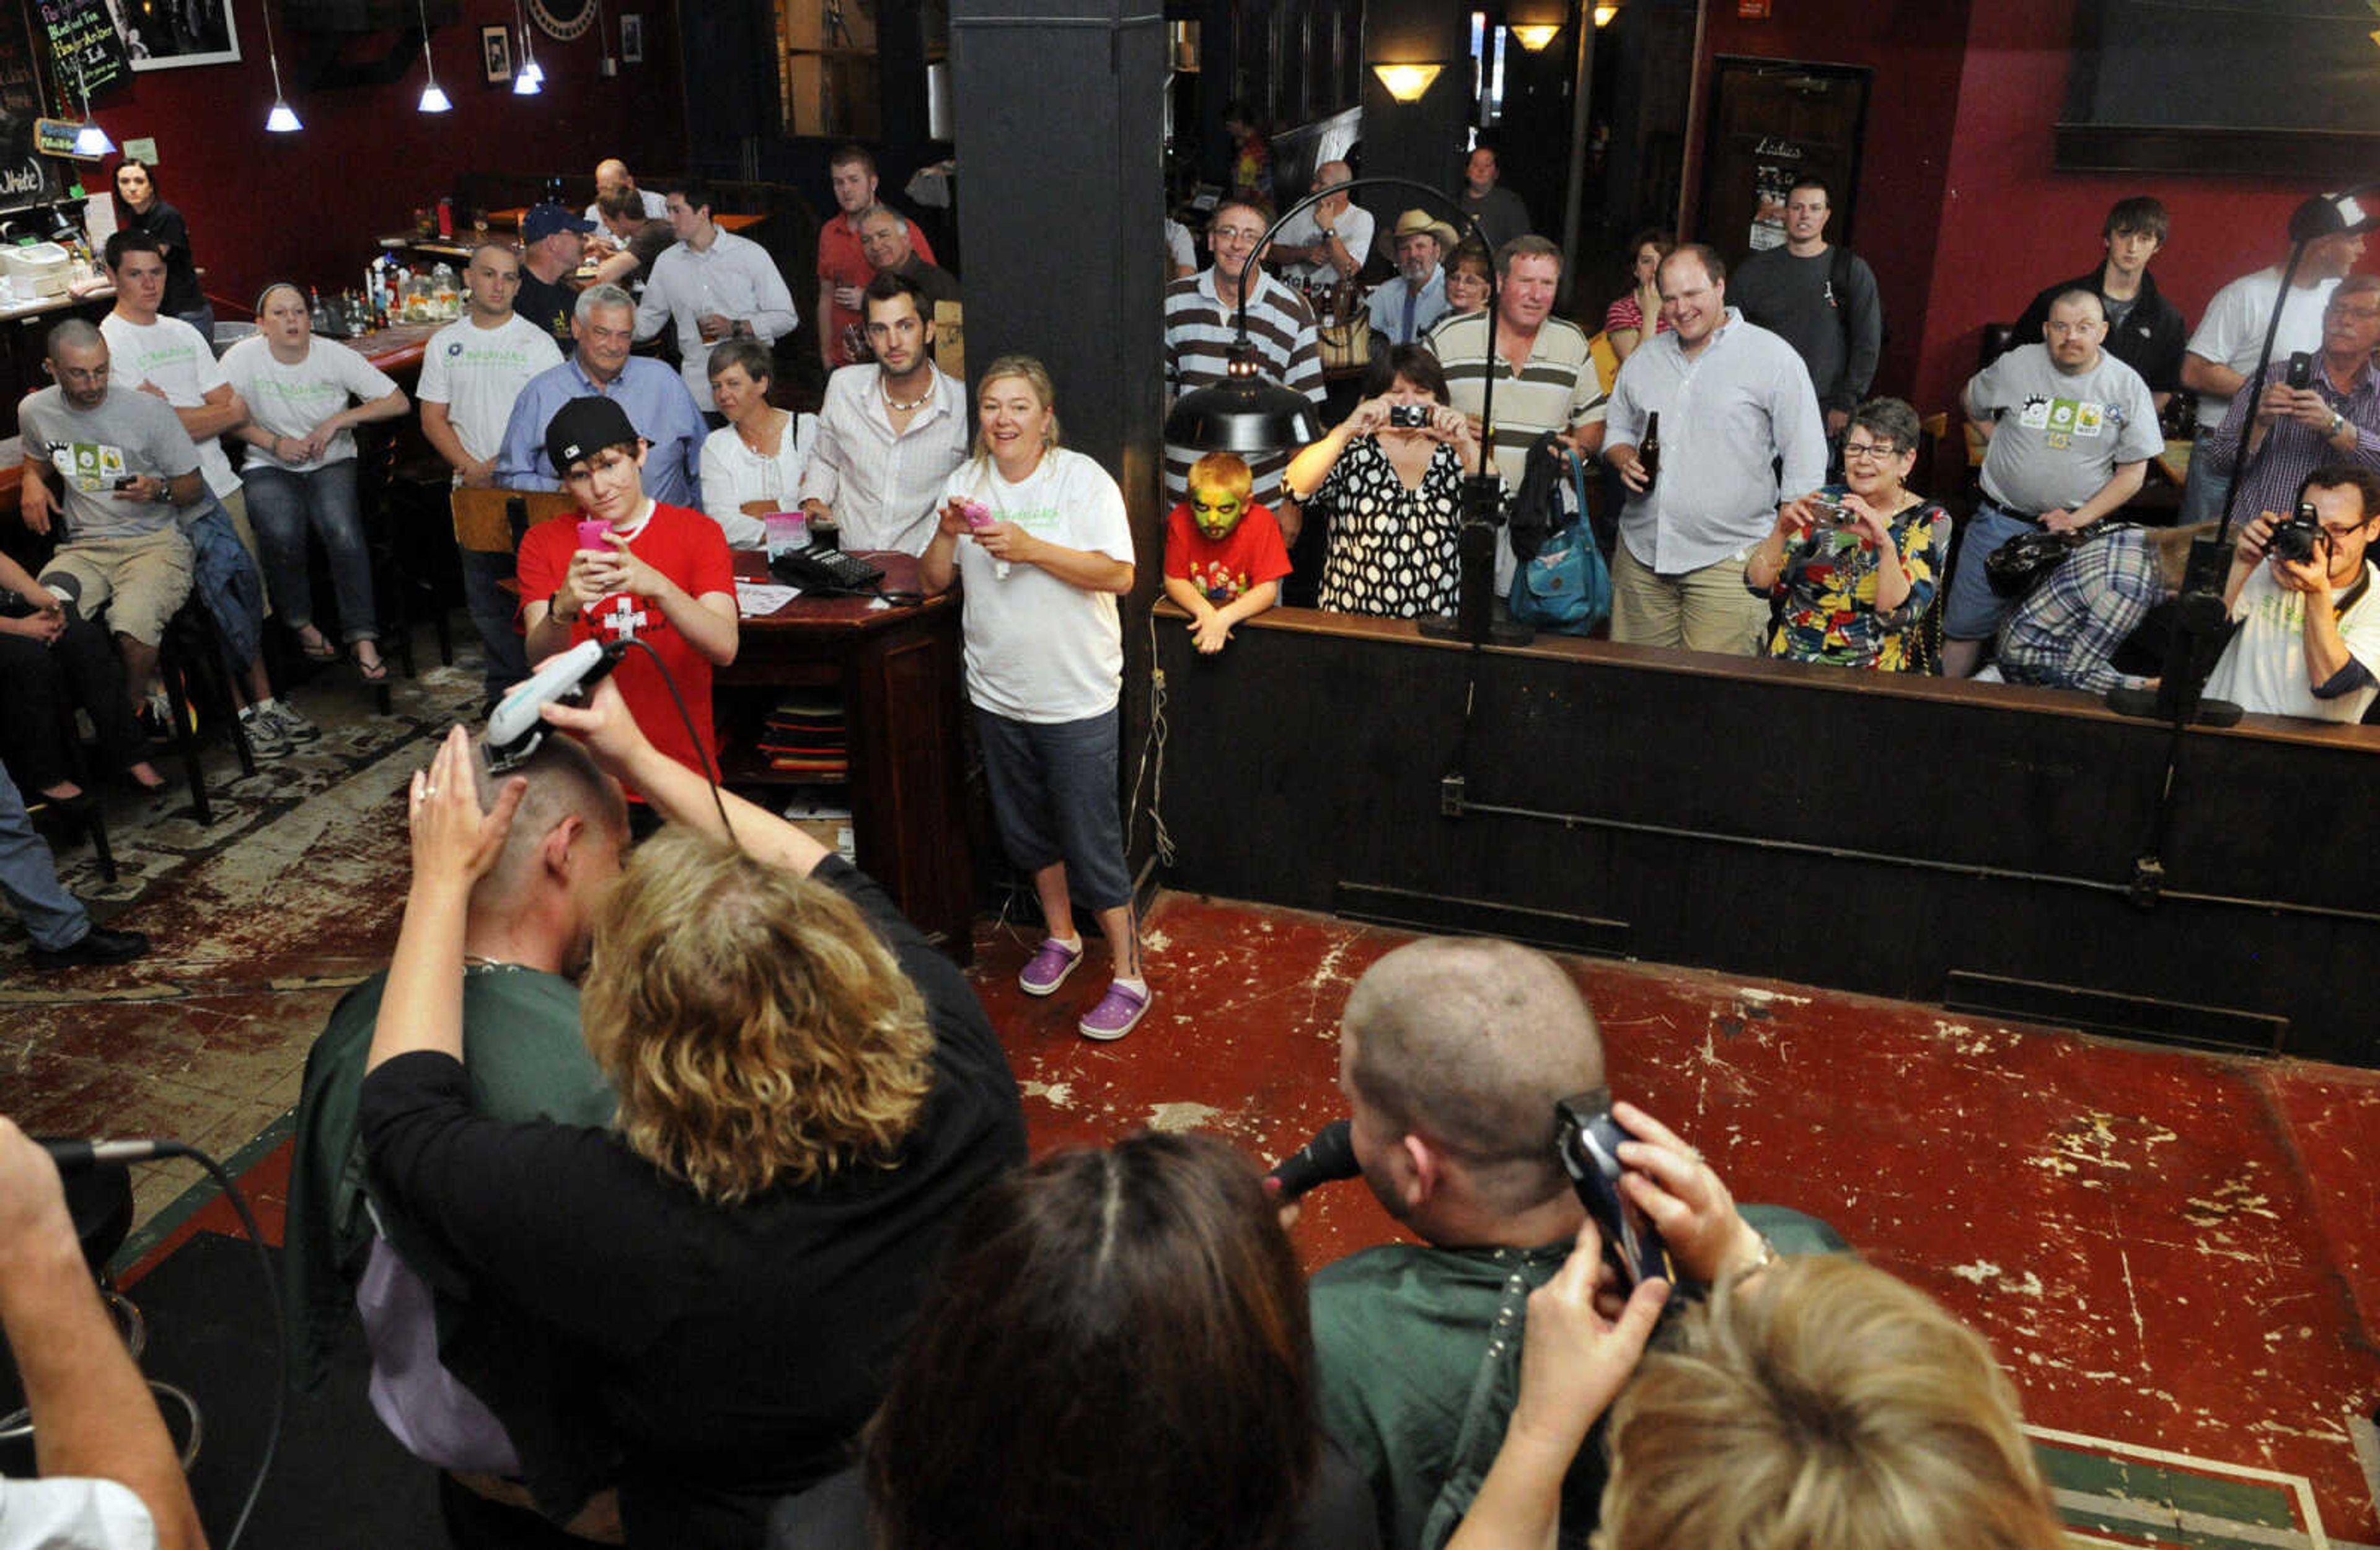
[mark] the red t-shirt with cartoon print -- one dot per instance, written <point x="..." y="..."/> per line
<point x="1222" y="569"/>
<point x="690" y="549"/>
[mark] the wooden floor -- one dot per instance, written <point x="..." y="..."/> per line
<point x="2177" y="1256"/>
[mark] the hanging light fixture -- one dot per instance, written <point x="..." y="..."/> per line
<point x="530" y="79"/>
<point x="91" y="140"/>
<point x="433" y="96"/>
<point x="281" y="120"/>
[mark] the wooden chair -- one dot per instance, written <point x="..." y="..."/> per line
<point x="493" y="521"/>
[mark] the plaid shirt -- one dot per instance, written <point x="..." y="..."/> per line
<point x="2063" y="635"/>
<point x="2291" y="452"/>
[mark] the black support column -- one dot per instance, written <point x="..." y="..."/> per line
<point x="1059" y="107"/>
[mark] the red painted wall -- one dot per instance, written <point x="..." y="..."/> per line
<point x="1961" y="213"/>
<point x="1914" y="52"/>
<point x="307" y="206"/>
<point x="2011" y="224"/>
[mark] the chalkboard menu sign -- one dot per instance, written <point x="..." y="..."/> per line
<point x="25" y="178"/>
<point x="88" y="50"/>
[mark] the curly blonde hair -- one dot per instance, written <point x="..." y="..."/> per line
<point x="757" y="1029"/>
<point x="1825" y="1407"/>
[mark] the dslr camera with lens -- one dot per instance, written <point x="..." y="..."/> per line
<point x="2296" y="536"/>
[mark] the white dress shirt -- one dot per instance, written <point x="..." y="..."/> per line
<point x="734" y="277"/>
<point x="734" y="474"/>
<point x="884" y="488"/>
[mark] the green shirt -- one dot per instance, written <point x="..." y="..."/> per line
<point x="526" y="1062"/>
<point x="1419" y="1350"/>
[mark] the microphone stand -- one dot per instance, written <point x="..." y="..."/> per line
<point x="1474" y="619"/>
<point x="2201" y="619"/>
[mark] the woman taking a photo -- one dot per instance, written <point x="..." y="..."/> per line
<point x="1391" y="493"/>
<point x="1625" y="321"/>
<point x="305" y="398"/>
<point x="138" y="208"/>
<point x="810" y="1094"/>
<point x="1038" y="538"/>
<point x="1853" y="563"/>
<point x="753" y="465"/>
<point x="1116" y="1354"/>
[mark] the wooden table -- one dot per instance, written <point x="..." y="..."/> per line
<point x="897" y="672"/>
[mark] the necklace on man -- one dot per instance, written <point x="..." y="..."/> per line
<point x="898" y="406"/>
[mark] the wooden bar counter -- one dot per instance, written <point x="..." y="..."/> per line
<point x="1975" y="845"/>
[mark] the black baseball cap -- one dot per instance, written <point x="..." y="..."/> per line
<point x="584" y="427"/>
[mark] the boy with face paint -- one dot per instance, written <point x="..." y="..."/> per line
<point x="1224" y="557"/>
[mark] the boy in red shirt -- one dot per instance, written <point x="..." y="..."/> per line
<point x="1224" y="554"/>
<point x="662" y="575"/>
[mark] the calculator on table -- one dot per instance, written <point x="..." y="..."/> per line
<point x="825" y="570"/>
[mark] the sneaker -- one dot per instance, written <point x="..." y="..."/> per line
<point x="97" y="946"/>
<point x="1049" y="967"/>
<point x="1118" y="1013"/>
<point x="263" y="734"/>
<point x="291" y="721"/>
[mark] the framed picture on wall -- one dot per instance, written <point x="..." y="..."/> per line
<point x="632" y="36"/>
<point x="168" y="37"/>
<point x="496" y="53"/>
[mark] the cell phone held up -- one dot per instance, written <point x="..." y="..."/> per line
<point x="1587" y="1139"/>
<point x="2301" y="371"/>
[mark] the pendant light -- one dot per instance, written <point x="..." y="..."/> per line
<point x="281" y="120"/>
<point x="433" y="96"/>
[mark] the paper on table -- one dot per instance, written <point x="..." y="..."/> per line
<point x="754" y="598"/>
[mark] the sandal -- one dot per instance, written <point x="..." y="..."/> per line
<point x="375" y="671"/>
<point x="318" y="650"/>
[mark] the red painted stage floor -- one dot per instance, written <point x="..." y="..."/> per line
<point x="2176" y="1254"/>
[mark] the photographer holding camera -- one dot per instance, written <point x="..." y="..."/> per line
<point x="2315" y="408"/>
<point x="2301" y="590"/>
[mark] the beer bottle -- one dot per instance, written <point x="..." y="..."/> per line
<point x="1649" y="453"/>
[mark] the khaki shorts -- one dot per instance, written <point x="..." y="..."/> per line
<point x="141" y="582"/>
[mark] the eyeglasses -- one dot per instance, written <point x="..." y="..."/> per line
<point x="2360" y="314"/>
<point x="1235" y="234"/>
<point x="1868" y="452"/>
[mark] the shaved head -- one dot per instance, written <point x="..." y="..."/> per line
<point x="1468" y="1042"/>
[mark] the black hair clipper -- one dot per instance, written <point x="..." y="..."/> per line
<point x="1588" y="1138"/>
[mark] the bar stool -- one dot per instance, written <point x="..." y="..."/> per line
<point x="198" y="689"/>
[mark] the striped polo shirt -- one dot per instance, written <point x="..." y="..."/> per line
<point x="1558" y="388"/>
<point x="1199" y="333"/>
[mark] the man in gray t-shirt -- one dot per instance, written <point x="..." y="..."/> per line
<point x="1818" y="298"/>
<point x="2072" y="430"/>
<point x="109" y="467"/>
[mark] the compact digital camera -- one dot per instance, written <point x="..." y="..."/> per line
<point x="1409" y="416"/>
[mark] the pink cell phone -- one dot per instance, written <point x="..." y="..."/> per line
<point x="977" y="514"/>
<point x="590" y="535"/>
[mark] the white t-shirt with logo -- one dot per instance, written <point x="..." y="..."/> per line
<point x="2060" y="434"/>
<point x="2263" y="668"/>
<point x="177" y="359"/>
<point x="1040" y="649"/>
<point x="291" y="400"/>
<point x="477" y="372"/>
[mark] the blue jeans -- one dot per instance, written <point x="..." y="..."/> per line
<point x="492" y="612"/>
<point x="1972" y="611"/>
<point x="227" y="582"/>
<point x="2204" y="492"/>
<point x="282" y="505"/>
<point x="30" y="877"/>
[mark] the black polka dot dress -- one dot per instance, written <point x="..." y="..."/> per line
<point x="1392" y="548"/>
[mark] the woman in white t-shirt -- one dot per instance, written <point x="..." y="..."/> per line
<point x="304" y="400"/>
<point x="1037" y="537"/>
<point x="753" y="465"/>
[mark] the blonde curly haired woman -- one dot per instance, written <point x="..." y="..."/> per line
<point x="808" y="1094"/>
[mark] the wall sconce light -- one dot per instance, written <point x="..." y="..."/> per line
<point x="1603" y="14"/>
<point x="1535" y="35"/>
<point x="1407" y="82"/>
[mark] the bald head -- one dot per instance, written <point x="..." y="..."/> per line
<point x="1468" y="1042"/>
<point x="612" y="174"/>
<point x="563" y="783"/>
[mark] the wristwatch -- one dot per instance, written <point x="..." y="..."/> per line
<point x="554" y="606"/>
<point x="2337" y="423"/>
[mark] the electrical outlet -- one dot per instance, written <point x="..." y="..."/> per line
<point x="1450" y="794"/>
